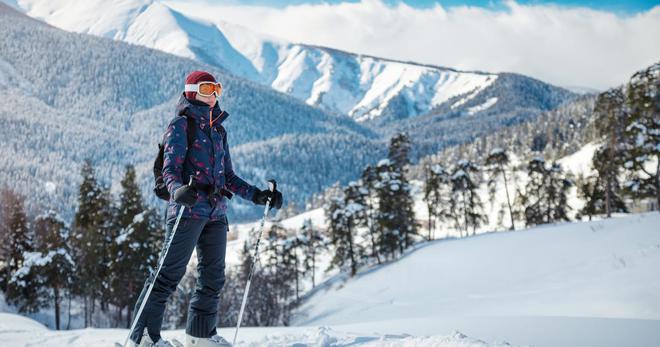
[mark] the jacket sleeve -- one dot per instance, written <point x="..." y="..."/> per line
<point x="174" y="154"/>
<point x="234" y="183"/>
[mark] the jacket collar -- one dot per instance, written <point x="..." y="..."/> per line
<point x="200" y="111"/>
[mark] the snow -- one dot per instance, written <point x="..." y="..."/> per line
<point x="458" y="174"/>
<point x="37" y="259"/>
<point x="580" y="161"/>
<point x="383" y="162"/>
<point x="571" y="284"/>
<point x="19" y="331"/>
<point x="15" y="323"/>
<point x="316" y="216"/>
<point x="496" y="151"/>
<point x="490" y="102"/>
<point x="50" y="187"/>
<point x="592" y="283"/>
<point x="361" y="87"/>
<point x="138" y="218"/>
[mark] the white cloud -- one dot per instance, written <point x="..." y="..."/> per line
<point x="567" y="46"/>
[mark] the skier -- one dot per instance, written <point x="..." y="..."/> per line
<point x="203" y="223"/>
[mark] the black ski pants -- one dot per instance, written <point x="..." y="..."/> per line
<point x="210" y="239"/>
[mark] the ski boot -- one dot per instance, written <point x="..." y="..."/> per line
<point x="162" y="343"/>
<point x="213" y="341"/>
<point x="146" y="342"/>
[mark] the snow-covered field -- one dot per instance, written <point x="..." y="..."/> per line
<point x="573" y="284"/>
<point x="20" y="331"/>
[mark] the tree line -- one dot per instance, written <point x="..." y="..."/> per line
<point x="372" y="219"/>
<point x="100" y="260"/>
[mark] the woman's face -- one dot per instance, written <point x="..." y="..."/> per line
<point x="209" y="100"/>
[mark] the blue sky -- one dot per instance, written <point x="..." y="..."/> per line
<point x="630" y="6"/>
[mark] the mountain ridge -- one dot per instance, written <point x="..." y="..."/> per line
<point x="360" y="86"/>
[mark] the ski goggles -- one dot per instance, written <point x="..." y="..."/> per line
<point x="205" y="88"/>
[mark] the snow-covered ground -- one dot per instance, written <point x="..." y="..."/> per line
<point x="18" y="331"/>
<point x="573" y="284"/>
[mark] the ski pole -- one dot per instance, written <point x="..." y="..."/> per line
<point x="272" y="186"/>
<point x="160" y="265"/>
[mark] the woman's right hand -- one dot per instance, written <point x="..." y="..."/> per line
<point x="186" y="195"/>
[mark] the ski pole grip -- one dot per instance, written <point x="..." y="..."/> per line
<point x="272" y="185"/>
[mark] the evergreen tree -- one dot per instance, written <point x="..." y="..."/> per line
<point x="90" y="239"/>
<point x="313" y="243"/>
<point x="368" y="181"/>
<point x="342" y="236"/>
<point x="545" y="197"/>
<point x="54" y="267"/>
<point x="19" y="250"/>
<point x="395" y="216"/>
<point x="291" y="266"/>
<point x="135" y="248"/>
<point x="280" y="272"/>
<point x="602" y="192"/>
<point x="641" y="158"/>
<point x="610" y="115"/>
<point x="466" y="205"/>
<point x="435" y="195"/>
<point x="592" y="197"/>
<point x="497" y="161"/>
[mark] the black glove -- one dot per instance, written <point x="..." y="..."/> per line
<point x="186" y="195"/>
<point x="260" y="197"/>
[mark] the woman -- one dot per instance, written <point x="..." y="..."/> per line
<point x="203" y="224"/>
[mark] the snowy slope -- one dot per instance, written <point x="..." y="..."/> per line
<point x="362" y="87"/>
<point x="17" y="331"/>
<point x="579" y="284"/>
<point x="595" y="283"/>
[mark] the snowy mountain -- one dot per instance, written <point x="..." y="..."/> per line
<point x="116" y="121"/>
<point x="362" y="87"/>
<point x="71" y="96"/>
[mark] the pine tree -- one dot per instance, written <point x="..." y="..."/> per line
<point x="134" y="249"/>
<point x="435" y="195"/>
<point x="593" y="197"/>
<point x="641" y="158"/>
<point x="341" y="234"/>
<point x="313" y="243"/>
<point x="497" y="161"/>
<point x="607" y="161"/>
<point x="55" y="266"/>
<point x="368" y="181"/>
<point x="280" y="271"/>
<point x="467" y="208"/>
<point x="19" y="250"/>
<point x="395" y="216"/>
<point x="545" y="197"/>
<point x="602" y="192"/>
<point x="291" y="267"/>
<point x="90" y="240"/>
